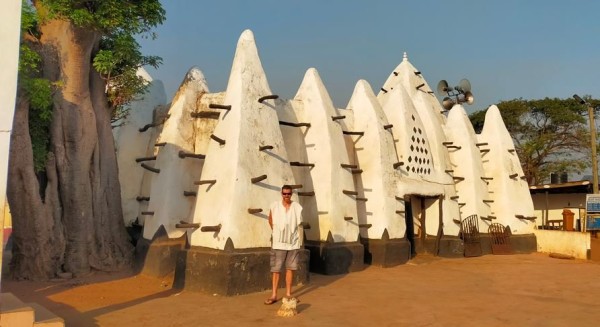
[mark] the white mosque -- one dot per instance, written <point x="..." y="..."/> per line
<point x="390" y="176"/>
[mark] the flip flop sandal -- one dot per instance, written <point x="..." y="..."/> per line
<point x="270" y="301"/>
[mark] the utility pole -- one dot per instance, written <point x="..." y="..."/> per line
<point x="592" y="141"/>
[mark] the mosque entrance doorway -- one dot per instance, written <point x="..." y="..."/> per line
<point x="410" y="226"/>
<point x="420" y="231"/>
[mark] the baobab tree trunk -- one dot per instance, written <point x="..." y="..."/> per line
<point x="83" y="150"/>
<point x="38" y="238"/>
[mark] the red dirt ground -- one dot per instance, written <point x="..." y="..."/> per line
<point x="513" y="290"/>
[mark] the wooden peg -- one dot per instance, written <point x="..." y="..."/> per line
<point x="216" y="228"/>
<point x="268" y="97"/>
<point x="183" y="224"/>
<point x="255" y="180"/>
<point x="182" y="154"/>
<point x="301" y="164"/>
<point x="219" y="106"/>
<point x="206" y="114"/>
<point x="208" y="181"/>
<point x="218" y="140"/>
<point x="145" y="159"/>
<point x="152" y="169"/>
<point x="285" y="123"/>
<point x="353" y="133"/>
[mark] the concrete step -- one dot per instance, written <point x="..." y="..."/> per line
<point x="45" y="318"/>
<point x="14" y="313"/>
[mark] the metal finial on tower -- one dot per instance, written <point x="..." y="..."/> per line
<point x="405" y="57"/>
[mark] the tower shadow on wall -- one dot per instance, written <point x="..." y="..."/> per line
<point x="158" y="257"/>
<point x="335" y="258"/>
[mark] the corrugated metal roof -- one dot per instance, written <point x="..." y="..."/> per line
<point x="568" y="187"/>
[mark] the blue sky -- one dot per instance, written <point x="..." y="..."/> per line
<point x="507" y="49"/>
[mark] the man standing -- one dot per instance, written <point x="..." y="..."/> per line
<point x="285" y="218"/>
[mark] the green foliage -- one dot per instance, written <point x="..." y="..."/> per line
<point x="29" y="18"/>
<point x="117" y="58"/>
<point x="550" y="135"/>
<point x="37" y="90"/>
<point x="128" y="16"/>
<point x="118" y="61"/>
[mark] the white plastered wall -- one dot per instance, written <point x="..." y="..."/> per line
<point x="168" y="203"/>
<point x="160" y="115"/>
<point x="246" y="126"/>
<point x="510" y="191"/>
<point x="376" y="157"/>
<point x="324" y="146"/>
<point x="429" y="111"/>
<point x="472" y="190"/>
<point x="131" y="144"/>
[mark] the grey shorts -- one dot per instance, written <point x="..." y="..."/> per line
<point x="281" y="257"/>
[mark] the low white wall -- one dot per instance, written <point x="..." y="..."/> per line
<point x="575" y="244"/>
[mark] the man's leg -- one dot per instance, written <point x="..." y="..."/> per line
<point x="275" y="285"/>
<point x="289" y="274"/>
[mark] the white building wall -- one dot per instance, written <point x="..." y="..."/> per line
<point x="510" y="191"/>
<point x="324" y="146"/>
<point x="130" y="144"/>
<point x="376" y="156"/>
<point x="246" y="126"/>
<point x="563" y="242"/>
<point x="472" y="191"/>
<point x="429" y="111"/>
<point x="167" y="201"/>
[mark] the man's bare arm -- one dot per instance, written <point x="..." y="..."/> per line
<point x="270" y="220"/>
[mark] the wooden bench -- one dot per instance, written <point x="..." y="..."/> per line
<point x="555" y="224"/>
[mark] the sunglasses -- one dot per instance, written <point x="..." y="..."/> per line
<point x="284" y="193"/>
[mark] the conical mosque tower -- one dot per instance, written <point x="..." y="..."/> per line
<point x="381" y="209"/>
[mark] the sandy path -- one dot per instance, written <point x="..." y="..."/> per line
<point x="515" y="290"/>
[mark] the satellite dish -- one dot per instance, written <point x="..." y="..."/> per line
<point x="448" y="103"/>
<point x="442" y="87"/>
<point x="469" y="98"/>
<point x="464" y="85"/>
